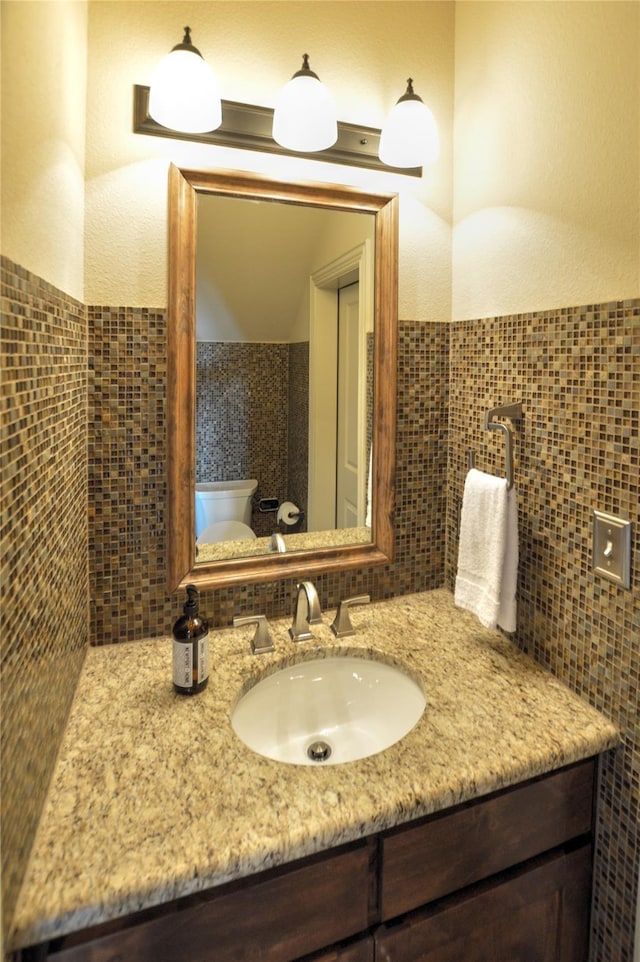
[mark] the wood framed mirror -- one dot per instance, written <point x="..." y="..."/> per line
<point x="333" y="547"/>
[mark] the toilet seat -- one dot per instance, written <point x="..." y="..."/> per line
<point x="226" y="531"/>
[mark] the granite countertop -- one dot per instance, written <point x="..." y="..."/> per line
<point x="154" y="796"/>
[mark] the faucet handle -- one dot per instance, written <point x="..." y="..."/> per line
<point x="341" y="625"/>
<point x="261" y="641"/>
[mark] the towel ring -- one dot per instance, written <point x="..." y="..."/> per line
<point x="507" y="411"/>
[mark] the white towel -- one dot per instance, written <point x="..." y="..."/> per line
<point x="488" y="551"/>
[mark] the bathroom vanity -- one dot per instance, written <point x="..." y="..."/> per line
<point x="506" y="877"/>
<point x="165" y="838"/>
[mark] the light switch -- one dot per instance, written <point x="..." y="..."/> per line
<point x="612" y="548"/>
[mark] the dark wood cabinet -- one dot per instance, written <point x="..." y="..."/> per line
<point x="283" y="915"/>
<point x="506" y="877"/>
<point x="539" y="914"/>
<point x="444" y="853"/>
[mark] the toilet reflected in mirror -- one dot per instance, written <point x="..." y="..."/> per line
<point x="226" y="531"/>
<point x="223" y="511"/>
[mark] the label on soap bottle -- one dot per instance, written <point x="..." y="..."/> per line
<point x="186" y="675"/>
<point x="203" y="658"/>
<point x="182" y="664"/>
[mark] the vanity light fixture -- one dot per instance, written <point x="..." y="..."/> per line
<point x="409" y="136"/>
<point x="183" y="103"/>
<point x="184" y="94"/>
<point x="304" y="118"/>
<point x="251" y="128"/>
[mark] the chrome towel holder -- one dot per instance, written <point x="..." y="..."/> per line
<point x="512" y="411"/>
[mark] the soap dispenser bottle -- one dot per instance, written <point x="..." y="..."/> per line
<point x="190" y="648"/>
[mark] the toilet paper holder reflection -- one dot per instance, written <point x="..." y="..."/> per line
<point x="289" y="513"/>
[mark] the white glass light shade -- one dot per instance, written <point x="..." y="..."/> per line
<point x="304" y="116"/>
<point x="183" y="93"/>
<point x="409" y="136"/>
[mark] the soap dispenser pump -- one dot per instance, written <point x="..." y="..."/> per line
<point x="190" y="648"/>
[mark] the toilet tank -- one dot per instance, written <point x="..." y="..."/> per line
<point x="223" y="501"/>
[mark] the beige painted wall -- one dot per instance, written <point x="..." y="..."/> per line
<point x="547" y="155"/>
<point x="547" y="141"/>
<point x="44" y="49"/>
<point x="363" y="50"/>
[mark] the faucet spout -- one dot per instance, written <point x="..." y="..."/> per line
<point x="306" y="611"/>
<point x="277" y="543"/>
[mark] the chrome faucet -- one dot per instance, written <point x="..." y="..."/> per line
<point x="306" y="611"/>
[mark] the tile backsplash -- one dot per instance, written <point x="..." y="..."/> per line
<point x="127" y="492"/>
<point x="44" y="586"/>
<point x="249" y="406"/>
<point x="126" y="454"/>
<point x="577" y="447"/>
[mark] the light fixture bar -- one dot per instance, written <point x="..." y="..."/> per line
<point x="250" y="128"/>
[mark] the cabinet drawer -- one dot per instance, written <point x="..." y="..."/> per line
<point x="446" y="852"/>
<point x="292" y="912"/>
<point x="539" y="912"/>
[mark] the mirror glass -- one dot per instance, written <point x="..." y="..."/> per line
<point x="282" y="314"/>
<point x="284" y="374"/>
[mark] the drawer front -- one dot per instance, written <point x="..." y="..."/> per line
<point x="276" y="920"/>
<point x="540" y="912"/>
<point x="446" y="852"/>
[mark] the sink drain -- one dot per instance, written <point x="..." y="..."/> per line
<point x="319" y="751"/>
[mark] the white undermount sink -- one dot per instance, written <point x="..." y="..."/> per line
<point x="328" y="710"/>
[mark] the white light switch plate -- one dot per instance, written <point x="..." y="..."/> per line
<point x="612" y="548"/>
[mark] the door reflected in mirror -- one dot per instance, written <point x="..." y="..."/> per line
<point x="281" y="378"/>
<point x="284" y="375"/>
